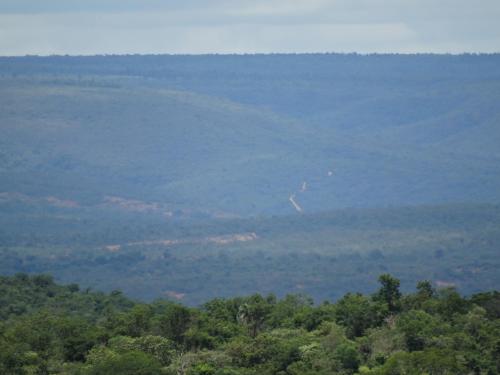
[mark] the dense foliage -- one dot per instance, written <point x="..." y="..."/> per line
<point x="183" y="177"/>
<point x="50" y="329"/>
<point x="323" y="255"/>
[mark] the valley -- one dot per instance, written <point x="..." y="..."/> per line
<point x="198" y="177"/>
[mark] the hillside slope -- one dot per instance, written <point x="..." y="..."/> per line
<point x="241" y="134"/>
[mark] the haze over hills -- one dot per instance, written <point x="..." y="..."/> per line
<point x="276" y="210"/>
<point x="193" y="177"/>
<point x="239" y="135"/>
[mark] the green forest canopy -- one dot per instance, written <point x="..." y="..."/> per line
<point x="47" y="328"/>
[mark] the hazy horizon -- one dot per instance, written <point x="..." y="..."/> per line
<point x="262" y="54"/>
<point x="194" y="27"/>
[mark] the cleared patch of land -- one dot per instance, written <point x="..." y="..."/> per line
<point x="324" y="255"/>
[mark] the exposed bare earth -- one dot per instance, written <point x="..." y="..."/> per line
<point x="53" y="201"/>
<point x="219" y="240"/>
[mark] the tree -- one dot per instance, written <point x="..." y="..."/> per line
<point x="389" y="292"/>
<point x="451" y="303"/>
<point x="103" y="361"/>
<point x="137" y="321"/>
<point x="159" y="347"/>
<point x="175" y="322"/>
<point x="418" y="327"/>
<point x="253" y="313"/>
<point x="43" y="281"/>
<point x="429" y="361"/>
<point x="358" y="313"/>
<point x="291" y="311"/>
<point x="425" y="290"/>
<point x="348" y="356"/>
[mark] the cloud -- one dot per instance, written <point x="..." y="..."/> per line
<point x="241" y="26"/>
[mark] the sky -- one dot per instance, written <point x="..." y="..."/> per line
<point x="87" y="27"/>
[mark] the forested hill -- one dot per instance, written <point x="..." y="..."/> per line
<point x="248" y="135"/>
<point x="324" y="255"/>
<point x="47" y="328"/>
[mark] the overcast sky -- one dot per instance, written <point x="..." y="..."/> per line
<point x="247" y="26"/>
